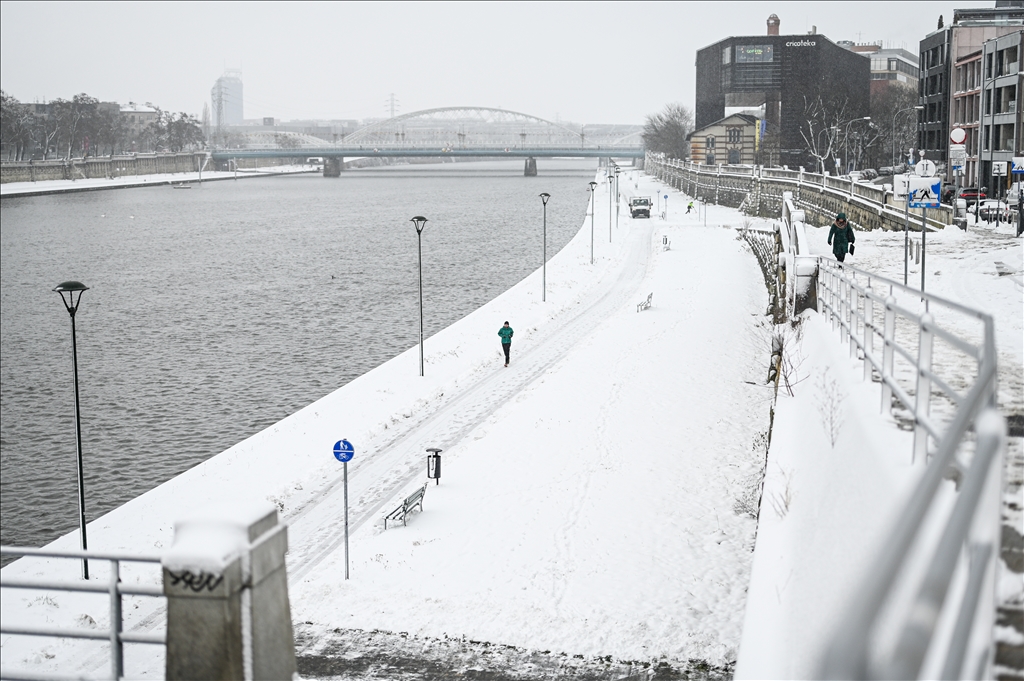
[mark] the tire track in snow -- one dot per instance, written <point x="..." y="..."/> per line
<point x="315" y="533"/>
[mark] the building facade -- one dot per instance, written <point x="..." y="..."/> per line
<point x="1001" y="129"/>
<point x="732" y="140"/>
<point x="803" y="83"/>
<point x="951" y="87"/>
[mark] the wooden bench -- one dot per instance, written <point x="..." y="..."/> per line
<point x="412" y="501"/>
<point x="645" y="305"/>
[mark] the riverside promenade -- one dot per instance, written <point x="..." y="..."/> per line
<point x="597" y="508"/>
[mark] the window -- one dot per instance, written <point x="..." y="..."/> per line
<point x="734" y="136"/>
<point x="734" y="156"/>
<point x="710" y="159"/>
<point x="749" y="54"/>
<point x="710" y="142"/>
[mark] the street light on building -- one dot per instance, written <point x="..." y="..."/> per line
<point x="919" y="107"/>
<point x="419" y="221"/>
<point x="846" y="140"/>
<point x="593" y="186"/>
<point x="68" y="291"/>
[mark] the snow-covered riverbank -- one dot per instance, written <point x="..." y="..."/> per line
<point x="42" y="187"/>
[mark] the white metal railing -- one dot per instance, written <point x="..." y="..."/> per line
<point x="927" y="607"/>
<point x="940" y="617"/>
<point x="113" y="586"/>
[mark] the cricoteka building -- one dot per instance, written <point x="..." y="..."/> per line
<point x="784" y="74"/>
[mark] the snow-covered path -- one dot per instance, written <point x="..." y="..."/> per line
<point x="589" y="498"/>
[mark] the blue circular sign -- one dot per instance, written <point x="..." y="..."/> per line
<point x="344" y="451"/>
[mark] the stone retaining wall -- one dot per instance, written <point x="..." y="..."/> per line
<point x="758" y="191"/>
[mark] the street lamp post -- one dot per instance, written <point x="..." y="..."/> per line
<point x="593" y="186"/>
<point x="419" y="221"/>
<point x="611" y="194"/>
<point x="544" y="266"/>
<point x="846" y="140"/>
<point x="617" y="202"/>
<point x="919" y="107"/>
<point x="71" y="302"/>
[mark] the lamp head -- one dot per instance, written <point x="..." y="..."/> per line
<point x="67" y="291"/>
<point x="592" y="185"/>
<point x="419" y="221"/>
<point x="544" y="198"/>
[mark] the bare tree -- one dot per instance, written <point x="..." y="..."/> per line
<point x="16" y="122"/>
<point x="893" y="103"/>
<point x="822" y="129"/>
<point x="667" y="131"/>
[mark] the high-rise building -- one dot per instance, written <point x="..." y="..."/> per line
<point x="805" y="85"/>
<point x="951" y="88"/>
<point x="226" y="99"/>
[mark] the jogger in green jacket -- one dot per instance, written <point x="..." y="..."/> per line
<point x="506" y="339"/>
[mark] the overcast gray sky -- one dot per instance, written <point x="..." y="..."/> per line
<point x="612" y="62"/>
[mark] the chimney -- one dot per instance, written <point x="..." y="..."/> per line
<point x="773" y="24"/>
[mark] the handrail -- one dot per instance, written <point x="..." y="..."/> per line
<point x="969" y="539"/>
<point x="114" y="587"/>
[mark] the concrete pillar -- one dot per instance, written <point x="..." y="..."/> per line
<point x="530" y="168"/>
<point x="333" y="166"/>
<point x="228" y="614"/>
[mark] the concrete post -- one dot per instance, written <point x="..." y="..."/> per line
<point x="228" y="615"/>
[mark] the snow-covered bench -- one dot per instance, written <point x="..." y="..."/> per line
<point x="641" y="306"/>
<point x="412" y="501"/>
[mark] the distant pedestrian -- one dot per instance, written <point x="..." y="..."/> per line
<point x="689" y="207"/>
<point x="506" y="340"/>
<point x="841" y="237"/>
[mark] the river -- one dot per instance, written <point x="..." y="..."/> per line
<point x="215" y="312"/>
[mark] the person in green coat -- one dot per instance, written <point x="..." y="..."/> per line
<point x="840" y="237"/>
<point x="506" y="340"/>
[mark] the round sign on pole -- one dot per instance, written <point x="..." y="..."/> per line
<point x="957" y="135"/>
<point x="344" y="451"/>
<point x="925" y="168"/>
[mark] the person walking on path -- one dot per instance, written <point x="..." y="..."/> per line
<point x="841" y="237"/>
<point x="506" y="340"/>
<point x="689" y="207"/>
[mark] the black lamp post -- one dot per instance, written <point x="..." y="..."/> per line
<point x="611" y="191"/>
<point x="593" y="186"/>
<point x="67" y="291"/>
<point x="419" y="221"/>
<point x="544" y="266"/>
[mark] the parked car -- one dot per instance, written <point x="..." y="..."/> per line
<point x="990" y="210"/>
<point x="971" y="194"/>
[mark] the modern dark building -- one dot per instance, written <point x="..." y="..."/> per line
<point x="793" y="79"/>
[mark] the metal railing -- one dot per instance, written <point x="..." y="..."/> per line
<point x="927" y="607"/>
<point x="113" y="586"/>
<point x="943" y="620"/>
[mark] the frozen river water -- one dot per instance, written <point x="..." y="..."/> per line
<point x="216" y="312"/>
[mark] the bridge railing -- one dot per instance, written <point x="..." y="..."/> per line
<point x="927" y="607"/>
<point x="113" y="587"/>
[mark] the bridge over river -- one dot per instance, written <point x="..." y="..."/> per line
<point x="478" y="132"/>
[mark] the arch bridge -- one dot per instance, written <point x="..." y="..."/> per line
<point x="480" y="132"/>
